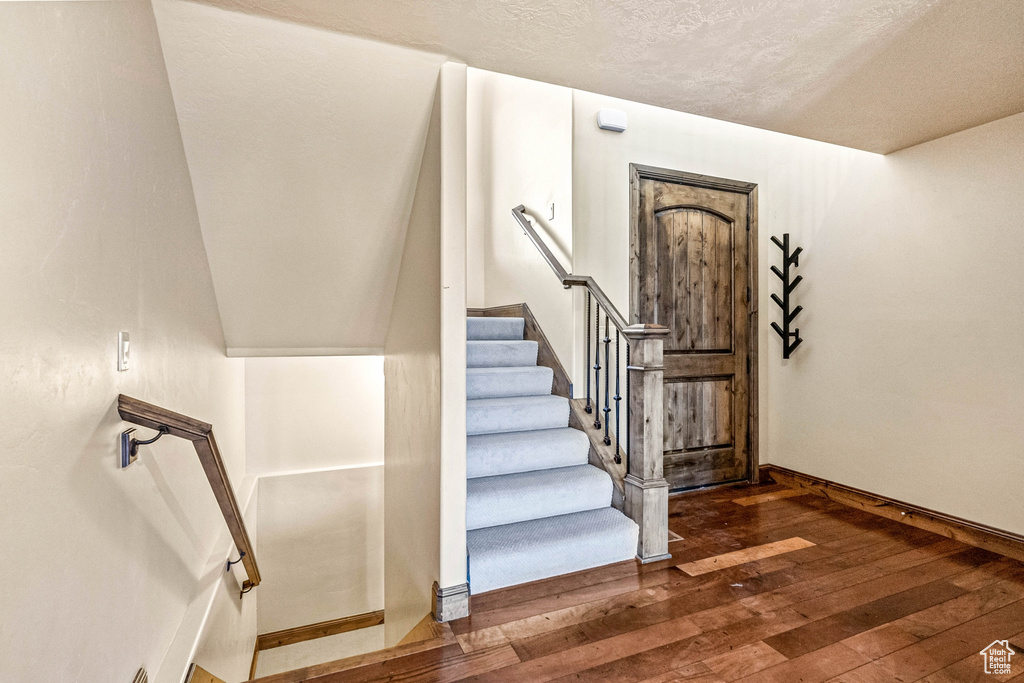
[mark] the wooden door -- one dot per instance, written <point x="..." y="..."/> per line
<point x="692" y="265"/>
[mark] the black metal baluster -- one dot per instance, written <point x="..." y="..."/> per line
<point x="607" y="376"/>
<point x="587" y="346"/>
<point x="597" y="364"/>
<point x="618" y="398"/>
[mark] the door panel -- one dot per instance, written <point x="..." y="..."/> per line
<point x="690" y="271"/>
<point x="698" y="414"/>
<point x="696" y="267"/>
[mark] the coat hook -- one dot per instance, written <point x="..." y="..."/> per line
<point x="130" y="445"/>
<point x="790" y="339"/>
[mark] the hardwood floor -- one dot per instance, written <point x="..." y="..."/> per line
<point x="840" y="595"/>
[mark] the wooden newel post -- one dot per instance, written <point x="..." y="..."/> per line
<point x="646" y="489"/>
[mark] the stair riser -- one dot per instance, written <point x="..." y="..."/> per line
<point x="490" y="455"/>
<point x="494" y="328"/>
<point x="530" y="382"/>
<point x="500" y="354"/>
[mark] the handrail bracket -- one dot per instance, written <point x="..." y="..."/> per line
<point x="130" y="445"/>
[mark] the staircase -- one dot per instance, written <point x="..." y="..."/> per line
<point x="535" y="507"/>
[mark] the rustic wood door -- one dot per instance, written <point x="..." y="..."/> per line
<point x="692" y="265"/>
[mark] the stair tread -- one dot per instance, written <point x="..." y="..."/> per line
<point x="516" y="414"/>
<point x="508" y="452"/>
<point x="498" y="343"/>
<point x="478" y="328"/>
<point x="510" y="401"/>
<point x="511" y="554"/>
<point x="507" y="370"/>
<point x="510" y="498"/>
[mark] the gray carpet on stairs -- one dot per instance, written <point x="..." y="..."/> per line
<point x="503" y="382"/>
<point x="488" y="455"/>
<point x="516" y="414"/>
<point x="535" y="508"/>
<point x="500" y="353"/>
<point x="508" y="498"/>
<point x="508" y="555"/>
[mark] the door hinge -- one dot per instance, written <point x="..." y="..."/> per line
<point x="748" y="365"/>
<point x="748" y="295"/>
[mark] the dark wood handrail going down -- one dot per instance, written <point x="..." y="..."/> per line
<point x="201" y="435"/>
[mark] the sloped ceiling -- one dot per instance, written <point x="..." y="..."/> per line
<point x="304" y="147"/>
<point x="877" y="75"/>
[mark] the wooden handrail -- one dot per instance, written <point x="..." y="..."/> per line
<point x="566" y="278"/>
<point x="201" y="435"/>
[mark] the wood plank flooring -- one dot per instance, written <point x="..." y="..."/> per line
<point x="861" y="599"/>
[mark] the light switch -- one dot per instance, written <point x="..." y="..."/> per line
<point x="122" y="351"/>
<point x="551" y="211"/>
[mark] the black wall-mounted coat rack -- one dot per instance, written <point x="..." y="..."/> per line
<point x="790" y="340"/>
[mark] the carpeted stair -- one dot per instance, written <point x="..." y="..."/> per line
<point x="534" y="508"/>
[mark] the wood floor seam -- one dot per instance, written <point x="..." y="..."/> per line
<point x="737" y="557"/>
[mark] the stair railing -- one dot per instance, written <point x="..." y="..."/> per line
<point x="646" y="491"/>
<point x="201" y="435"/>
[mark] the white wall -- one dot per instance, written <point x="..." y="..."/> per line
<point x="309" y="413"/>
<point x="908" y="383"/>
<point x="319" y="650"/>
<point x="412" y="408"/>
<point x="228" y="632"/>
<point x="452" y="89"/>
<point x="540" y="141"/>
<point x="315" y="437"/>
<point x="911" y="381"/>
<point x="797" y="181"/>
<point x="321" y="546"/>
<point x="304" y="147"/>
<point x="519" y="151"/>
<point x="100" y="234"/>
<point x="425" y="377"/>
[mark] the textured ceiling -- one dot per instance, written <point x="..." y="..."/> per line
<point x="878" y="75"/>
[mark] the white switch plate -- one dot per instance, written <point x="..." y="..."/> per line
<point x="551" y="211"/>
<point x="122" y="351"/>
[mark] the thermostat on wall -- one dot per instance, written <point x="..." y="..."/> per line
<point x="611" y="119"/>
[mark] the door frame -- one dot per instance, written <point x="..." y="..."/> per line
<point x="638" y="172"/>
